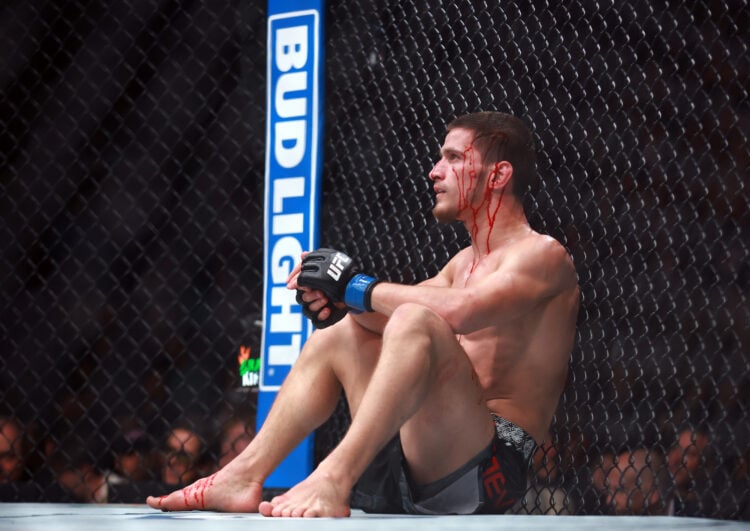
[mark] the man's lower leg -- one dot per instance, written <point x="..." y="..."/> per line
<point x="307" y="398"/>
<point x="401" y="379"/>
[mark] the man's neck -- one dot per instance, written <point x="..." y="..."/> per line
<point x="489" y="233"/>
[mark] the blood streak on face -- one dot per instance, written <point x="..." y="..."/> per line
<point x="467" y="170"/>
<point x="466" y="190"/>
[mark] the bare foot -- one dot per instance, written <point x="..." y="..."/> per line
<point x="316" y="496"/>
<point x="220" y="492"/>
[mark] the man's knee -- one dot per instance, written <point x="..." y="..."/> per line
<point x="416" y="320"/>
<point x="344" y="337"/>
<point x="321" y="340"/>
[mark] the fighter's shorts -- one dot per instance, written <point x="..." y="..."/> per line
<point x="491" y="482"/>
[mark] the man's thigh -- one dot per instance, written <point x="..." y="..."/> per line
<point x="453" y="423"/>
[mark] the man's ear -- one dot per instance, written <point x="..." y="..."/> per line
<point x="500" y="175"/>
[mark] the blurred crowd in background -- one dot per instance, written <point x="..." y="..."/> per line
<point x="645" y="481"/>
<point x="126" y="469"/>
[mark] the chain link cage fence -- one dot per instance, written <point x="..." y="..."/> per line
<point x="132" y="139"/>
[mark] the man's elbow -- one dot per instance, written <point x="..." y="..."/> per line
<point x="460" y="316"/>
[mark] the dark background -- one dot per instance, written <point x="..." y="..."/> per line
<point x="131" y="161"/>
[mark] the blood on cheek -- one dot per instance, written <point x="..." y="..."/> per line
<point x="467" y="171"/>
<point x="467" y="179"/>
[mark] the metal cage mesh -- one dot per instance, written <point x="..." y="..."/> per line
<point x="132" y="144"/>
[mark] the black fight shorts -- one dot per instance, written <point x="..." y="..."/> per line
<point x="490" y="483"/>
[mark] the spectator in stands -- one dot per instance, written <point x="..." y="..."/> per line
<point x="545" y="493"/>
<point x="80" y="469"/>
<point x="135" y="456"/>
<point x="600" y="472"/>
<point x="236" y="435"/>
<point x="692" y="462"/>
<point x="12" y="450"/>
<point x="597" y="470"/>
<point x="637" y="483"/>
<point x="184" y="450"/>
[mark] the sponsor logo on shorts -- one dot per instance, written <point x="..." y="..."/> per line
<point x="493" y="483"/>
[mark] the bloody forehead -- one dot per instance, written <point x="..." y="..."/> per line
<point x="458" y="141"/>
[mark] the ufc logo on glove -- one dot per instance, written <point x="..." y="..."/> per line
<point x="339" y="262"/>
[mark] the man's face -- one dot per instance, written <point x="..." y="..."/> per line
<point x="456" y="176"/>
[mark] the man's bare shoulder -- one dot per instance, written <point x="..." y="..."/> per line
<point x="547" y="255"/>
<point x="546" y="246"/>
<point x="447" y="272"/>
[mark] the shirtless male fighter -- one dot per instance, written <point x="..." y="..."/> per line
<point x="451" y="383"/>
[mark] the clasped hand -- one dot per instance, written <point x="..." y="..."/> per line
<point x="329" y="285"/>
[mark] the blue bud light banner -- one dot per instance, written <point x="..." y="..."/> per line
<point x="292" y="195"/>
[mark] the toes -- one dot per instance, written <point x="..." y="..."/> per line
<point x="274" y="508"/>
<point x="164" y="503"/>
<point x="280" y="506"/>
<point x="265" y="508"/>
<point x="154" y="502"/>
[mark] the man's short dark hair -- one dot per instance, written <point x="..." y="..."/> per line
<point x="501" y="136"/>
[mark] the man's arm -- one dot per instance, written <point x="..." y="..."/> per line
<point x="535" y="273"/>
<point x="316" y="303"/>
<point x="375" y="321"/>
<point x="535" y="270"/>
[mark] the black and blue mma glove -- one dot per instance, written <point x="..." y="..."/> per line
<point x="336" y="313"/>
<point x="335" y="274"/>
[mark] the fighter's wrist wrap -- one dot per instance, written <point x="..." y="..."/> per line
<point x="336" y="274"/>
<point x="359" y="292"/>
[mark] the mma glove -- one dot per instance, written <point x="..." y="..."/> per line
<point x="335" y="274"/>
<point x="336" y="313"/>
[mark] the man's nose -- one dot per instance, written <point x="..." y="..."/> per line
<point x="435" y="172"/>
